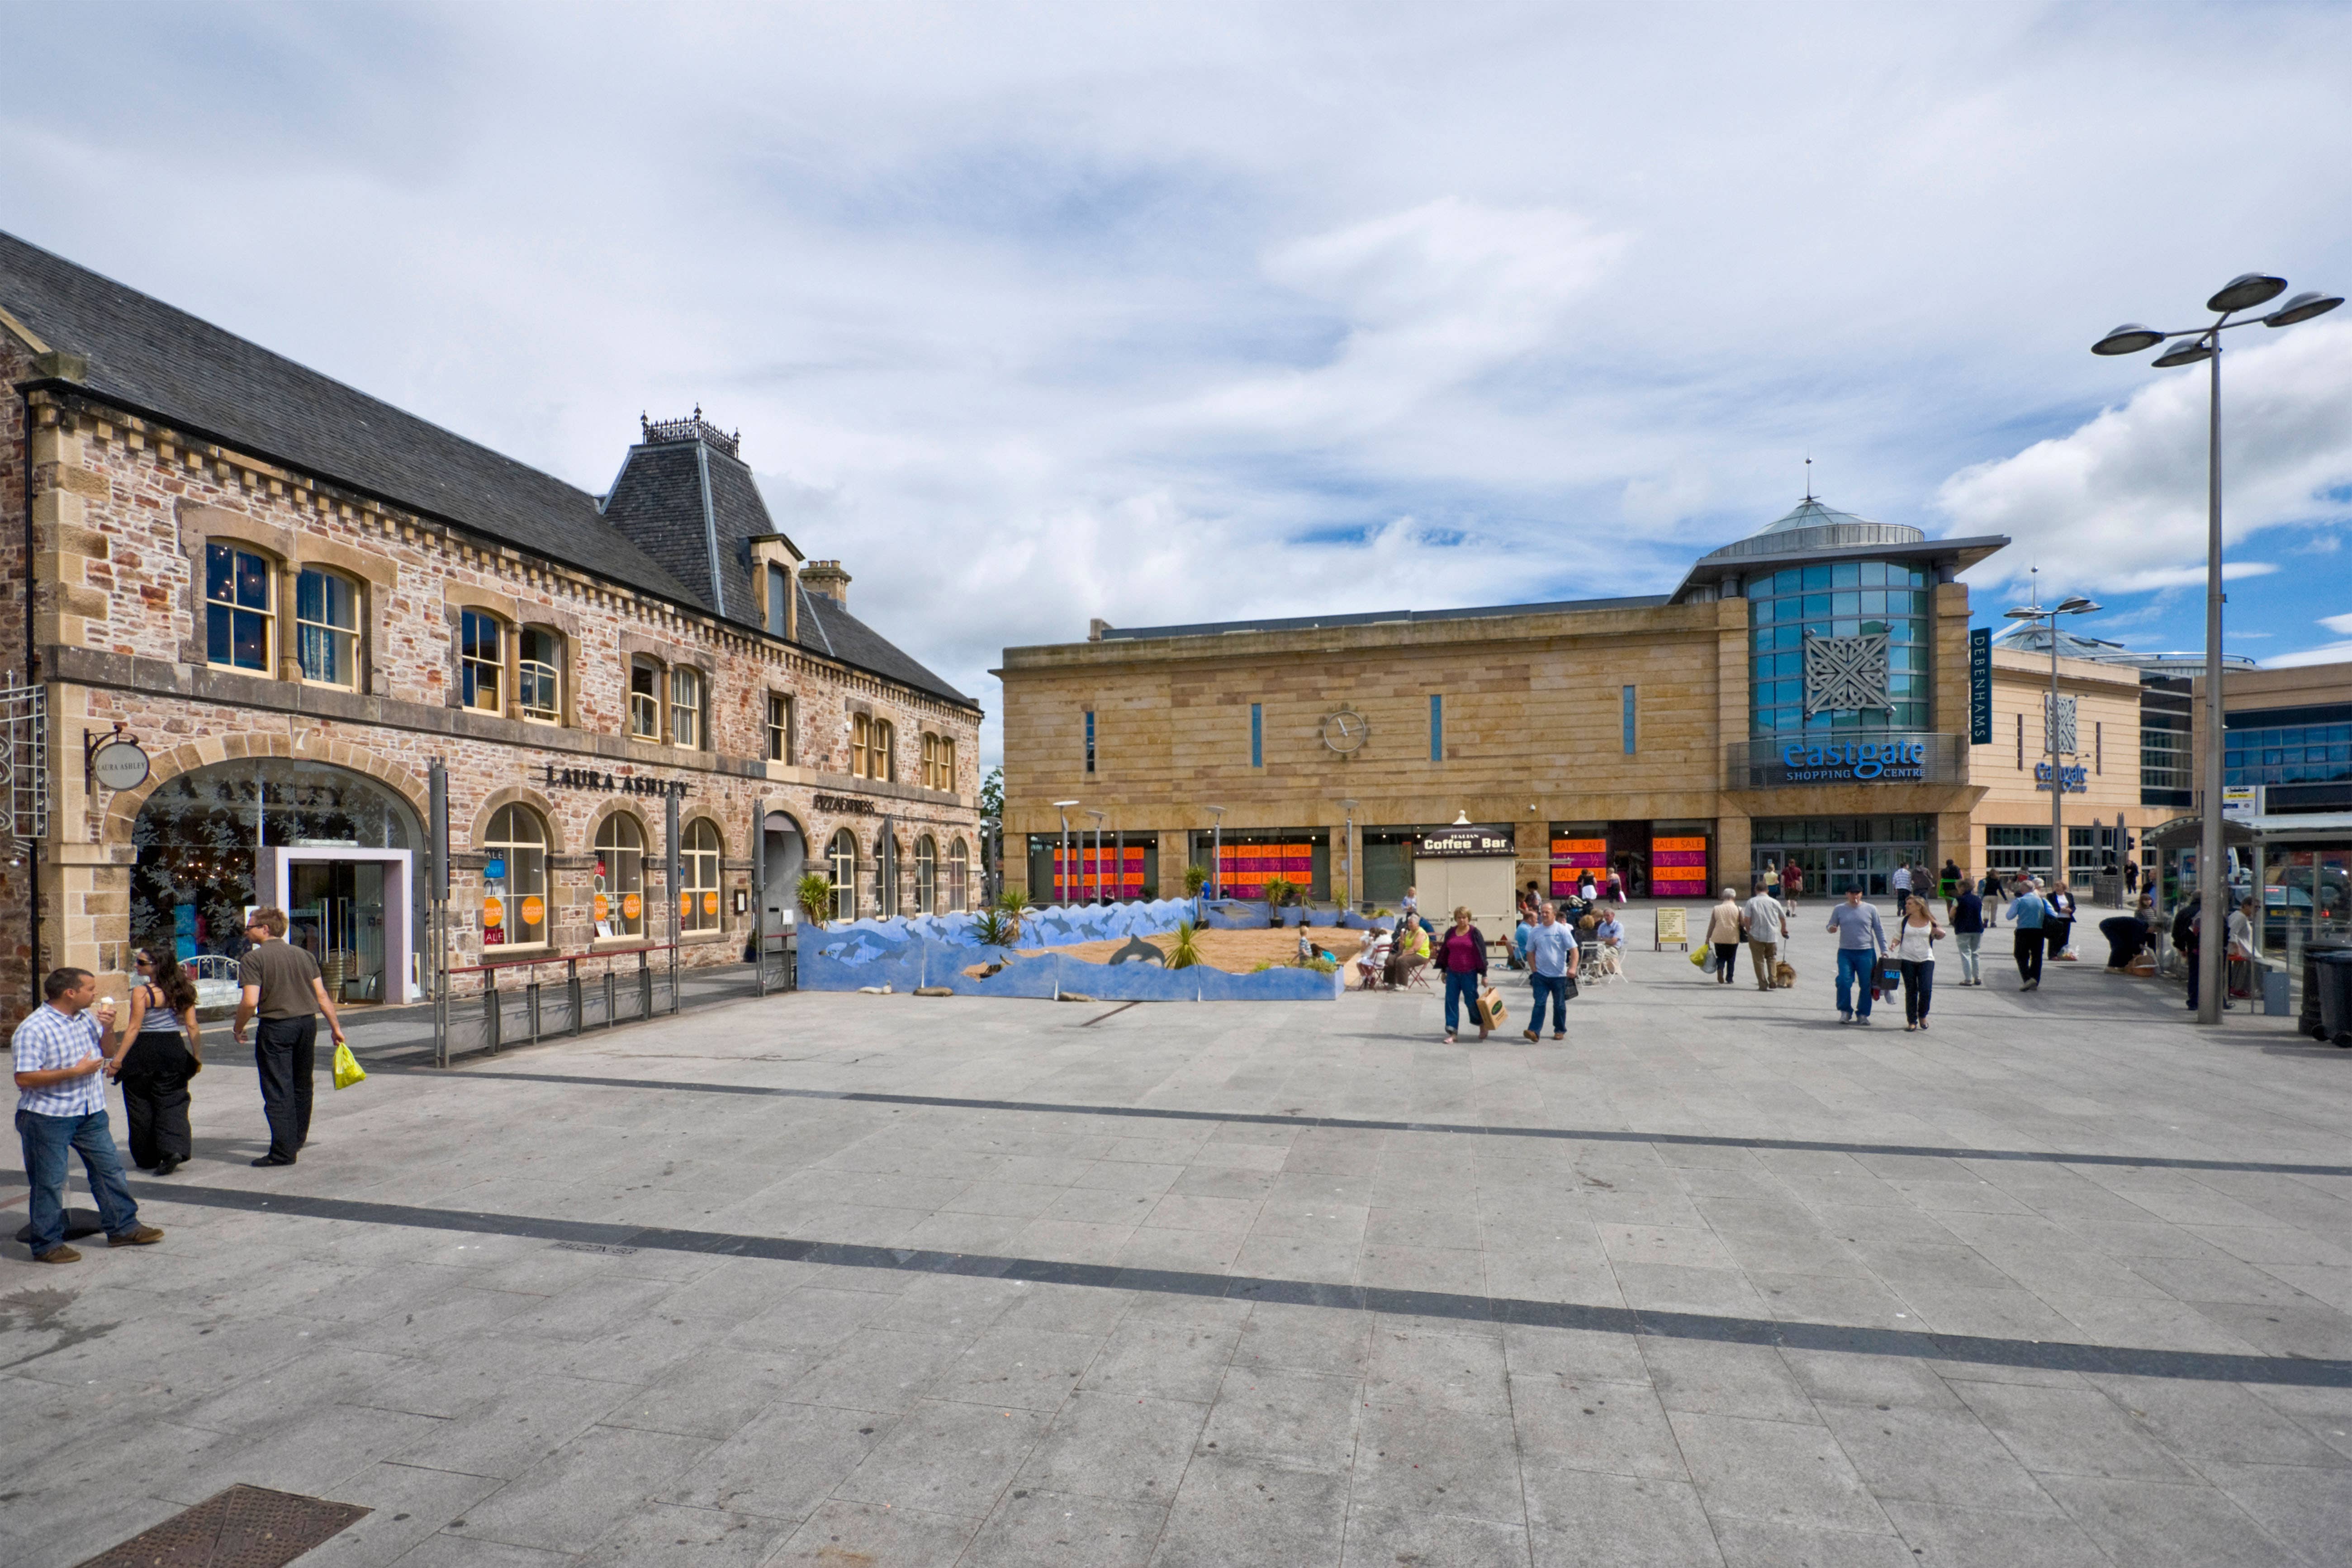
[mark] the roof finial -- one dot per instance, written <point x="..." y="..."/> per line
<point x="1809" y="475"/>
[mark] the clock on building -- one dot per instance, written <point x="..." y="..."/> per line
<point x="1344" y="729"/>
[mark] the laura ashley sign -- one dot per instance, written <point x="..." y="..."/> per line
<point x="614" y="783"/>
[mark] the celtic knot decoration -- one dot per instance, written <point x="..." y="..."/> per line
<point x="1845" y="674"/>
<point x="2058" y="725"/>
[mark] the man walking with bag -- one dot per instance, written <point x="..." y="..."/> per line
<point x="1552" y="969"/>
<point x="281" y="982"/>
<point x="61" y="1066"/>
<point x="1861" y="939"/>
<point x="1767" y="920"/>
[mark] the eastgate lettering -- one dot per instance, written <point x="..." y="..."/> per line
<point x="1855" y="759"/>
<point x="2074" y="779"/>
<point x="614" y="783"/>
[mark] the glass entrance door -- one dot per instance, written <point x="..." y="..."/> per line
<point x="334" y="911"/>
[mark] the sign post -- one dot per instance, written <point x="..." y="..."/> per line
<point x="436" y="893"/>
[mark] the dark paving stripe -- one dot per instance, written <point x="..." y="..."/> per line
<point x="1571" y="1135"/>
<point x="2051" y="1355"/>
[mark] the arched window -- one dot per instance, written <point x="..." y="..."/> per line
<point x="538" y="675"/>
<point x="842" y="853"/>
<point x="883" y="752"/>
<point x="860" y="733"/>
<point x="327" y="627"/>
<point x="514" y="877"/>
<point x="240" y="609"/>
<point x="620" y="904"/>
<point x="959" y="872"/>
<point x="481" y="661"/>
<point x="645" y="699"/>
<point x="686" y="706"/>
<point x="927" y="874"/>
<point x="698" y="873"/>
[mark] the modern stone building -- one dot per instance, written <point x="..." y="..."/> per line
<point x="1803" y="693"/>
<point x="293" y="598"/>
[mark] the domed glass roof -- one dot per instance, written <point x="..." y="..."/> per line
<point x="1812" y="527"/>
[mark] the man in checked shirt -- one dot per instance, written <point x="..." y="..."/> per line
<point x="61" y="1063"/>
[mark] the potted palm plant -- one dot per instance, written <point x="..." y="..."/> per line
<point x="814" y="893"/>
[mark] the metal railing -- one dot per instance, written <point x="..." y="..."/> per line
<point x="536" y="1009"/>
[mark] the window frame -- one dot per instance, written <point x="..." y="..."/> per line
<point x="779" y="595"/>
<point x="701" y="854"/>
<point x="860" y="729"/>
<point x="470" y="663"/>
<point x="623" y="877"/>
<point x="553" y="666"/>
<point x="688" y="679"/>
<point x="927" y="874"/>
<point x="843" y="869"/>
<point x="521" y="855"/>
<point x="1436" y="726"/>
<point x="783" y="722"/>
<point x="882" y="752"/>
<point x="233" y="606"/>
<point x="1090" y="743"/>
<point x="648" y="701"/>
<point x="344" y="638"/>
<point x="959" y="874"/>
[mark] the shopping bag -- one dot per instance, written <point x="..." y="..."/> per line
<point x="1569" y="993"/>
<point x="1490" y="1010"/>
<point x="1703" y="956"/>
<point x="1709" y="963"/>
<point x="347" y="1071"/>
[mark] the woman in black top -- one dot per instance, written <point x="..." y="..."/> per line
<point x="158" y="1050"/>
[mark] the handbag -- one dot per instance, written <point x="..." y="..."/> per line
<point x="347" y="1071"/>
<point x="1568" y="987"/>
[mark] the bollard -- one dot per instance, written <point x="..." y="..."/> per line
<point x="490" y="1008"/>
<point x="572" y="990"/>
<point x="531" y="1004"/>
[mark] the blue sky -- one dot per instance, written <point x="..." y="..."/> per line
<point x="1035" y="312"/>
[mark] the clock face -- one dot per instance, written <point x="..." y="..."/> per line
<point x="1344" y="730"/>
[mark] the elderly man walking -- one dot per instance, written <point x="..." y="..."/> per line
<point x="1551" y="959"/>
<point x="1767" y="920"/>
<point x="282" y="983"/>
<point x="61" y="1063"/>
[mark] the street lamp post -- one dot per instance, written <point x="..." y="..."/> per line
<point x="1062" y="856"/>
<point x="2073" y="604"/>
<point x="1348" y="854"/>
<point x="1098" y="816"/>
<point x="2190" y="344"/>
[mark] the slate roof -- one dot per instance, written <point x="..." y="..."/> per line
<point x="152" y="358"/>
<point x="829" y="629"/>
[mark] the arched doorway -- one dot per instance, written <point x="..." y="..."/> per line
<point x="783" y="851"/>
<point x="332" y="846"/>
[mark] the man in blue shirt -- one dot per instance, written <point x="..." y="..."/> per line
<point x="1861" y="939"/>
<point x="1551" y="959"/>
<point x="2026" y="915"/>
<point x="61" y="1063"/>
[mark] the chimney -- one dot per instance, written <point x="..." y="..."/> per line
<point x="1096" y="627"/>
<point x="826" y="577"/>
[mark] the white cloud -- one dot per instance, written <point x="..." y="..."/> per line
<point x="2330" y="652"/>
<point x="2121" y="503"/>
<point x="2337" y="623"/>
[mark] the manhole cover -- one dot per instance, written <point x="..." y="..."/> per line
<point x="244" y="1527"/>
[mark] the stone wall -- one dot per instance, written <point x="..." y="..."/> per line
<point x="122" y="508"/>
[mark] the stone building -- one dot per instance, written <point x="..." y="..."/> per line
<point x="293" y="597"/>
<point x="1803" y="693"/>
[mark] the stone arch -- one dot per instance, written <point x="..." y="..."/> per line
<point x="689" y="814"/>
<point x="517" y="794"/>
<point x="122" y="810"/>
<point x="621" y="807"/>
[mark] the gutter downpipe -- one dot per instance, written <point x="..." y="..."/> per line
<point x="32" y="668"/>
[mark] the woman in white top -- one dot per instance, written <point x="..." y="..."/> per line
<point x="1915" y="955"/>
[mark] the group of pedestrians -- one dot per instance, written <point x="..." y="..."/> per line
<point x="65" y="1049"/>
<point x="1761" y="925"/>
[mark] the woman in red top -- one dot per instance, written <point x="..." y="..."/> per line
<point x="1462" y="954"/>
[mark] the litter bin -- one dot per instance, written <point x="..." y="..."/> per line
<point x="2335" y="978"/>
<point x="2308" y="1022"/>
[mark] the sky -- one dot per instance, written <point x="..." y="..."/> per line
<point x="1031" y="313"/>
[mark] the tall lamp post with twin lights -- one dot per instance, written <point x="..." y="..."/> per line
<point x="2190" y="344"/>
<point x="1062" y="864"/>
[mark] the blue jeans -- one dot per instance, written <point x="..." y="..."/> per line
<point x="1854" y="965"/>
<point x="1555" y="987"/>
<point x="1460" y="991"/>
<point x="45" y="1140"/>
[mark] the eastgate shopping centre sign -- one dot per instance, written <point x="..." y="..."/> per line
<point x="1852" y="762"/>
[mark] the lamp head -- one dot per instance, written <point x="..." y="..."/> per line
<point x="2301" y="308"/>
<point x="2024" y="613"/>
<point x="2246" y="291"/>
<point x="1064" y="804"/>
<point x="2075" y="604"/>
<point x="2188" y="350"/>
<point x="2128" y="339"/>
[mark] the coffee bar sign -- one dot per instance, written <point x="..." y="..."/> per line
<point x="1465" y="843"/>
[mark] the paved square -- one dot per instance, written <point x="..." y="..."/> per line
<point x="842" y="1279"/>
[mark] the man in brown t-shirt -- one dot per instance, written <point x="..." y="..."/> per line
<point x="281" y="982"/>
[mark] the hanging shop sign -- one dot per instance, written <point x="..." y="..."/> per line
<point x="614" y="783"/>
<point x="118" y="764"/>
<point x="2074" y="779"/>
<point x="1465" y="843"/>
<point x="1981" y="687"/>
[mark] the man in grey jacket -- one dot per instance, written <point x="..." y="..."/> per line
<point x="1861" y="940"/>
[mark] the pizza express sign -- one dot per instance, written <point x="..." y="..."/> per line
<point x="1852" y="761"/>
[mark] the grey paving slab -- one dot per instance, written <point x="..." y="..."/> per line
<point x="1800" y="1387"/>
